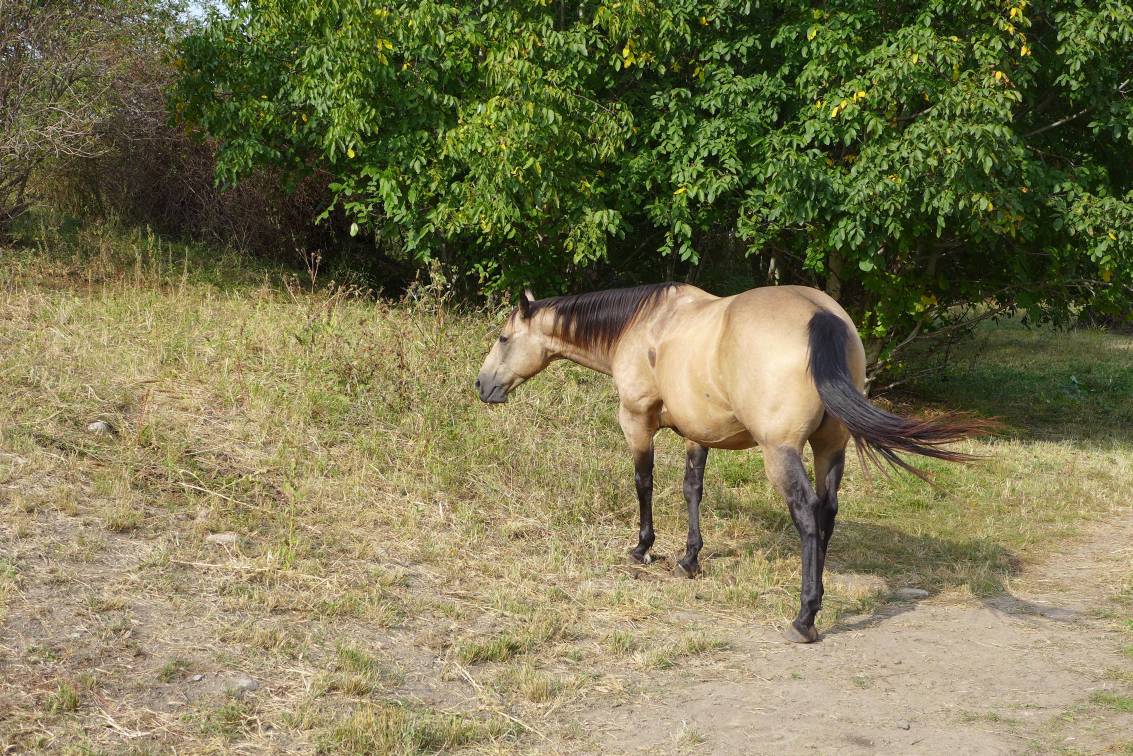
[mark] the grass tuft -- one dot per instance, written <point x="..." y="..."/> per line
<point x="65" y="698"/>
<point x="233" y="719"/>
<point x="532" y="635"/>
<point x="525" y="682"/>
<point x="174" y="669"/>
<point x="358" y="673"/>
<point x="671" y="654"/>
<point x="1116" y="701"/>
<point x="401" y="729"/>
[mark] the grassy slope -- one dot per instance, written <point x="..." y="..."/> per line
<point x="415" y="569"/>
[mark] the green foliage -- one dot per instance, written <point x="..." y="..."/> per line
<point x="915" y="160"/>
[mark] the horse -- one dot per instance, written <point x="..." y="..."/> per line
<point x="775" y="367"/>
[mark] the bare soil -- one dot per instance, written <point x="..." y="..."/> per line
<point x="1013" y="673"/>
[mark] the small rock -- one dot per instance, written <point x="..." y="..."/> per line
<point x="241" y="684"/>
<point x="101" y="427"/>
<point x="196" y="678"/>
<point x="912" y="593"/>
<point x="903" y="724"/>
<point x="223" y="539"/>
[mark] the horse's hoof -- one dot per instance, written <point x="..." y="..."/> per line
<point x="794" y="635"/>
<point x="686" y="571"/>
<point x="645" y="558"/>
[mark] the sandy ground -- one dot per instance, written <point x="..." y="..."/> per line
<point x="1011" y="674"/>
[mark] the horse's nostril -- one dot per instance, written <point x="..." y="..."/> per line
<point x="477" y="383"/>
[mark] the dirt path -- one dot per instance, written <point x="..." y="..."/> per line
<point x="1010" y="674"/>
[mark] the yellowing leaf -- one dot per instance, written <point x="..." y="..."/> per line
<point x="304" y="117"/>
<point x="704" y="21"/>
<point x="860" y="94"/>
<point x="835" y="110"/>
<point x="350" y="152"/>
<point x="1112" y="236"/>
<point x="916" y="57"/>
<point x="1024" y="189"/>
<point x="811" y="33"/>
<point x="1025" y="51"/>
<point x="999" y="76"/>
<point x="1014" y="12"/>
<point x="1107" y="275"/>
<point x="680" y="190"/>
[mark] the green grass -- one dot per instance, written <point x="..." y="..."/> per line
<point x="65" y="698"/>
<point x="531" y="635"/>
<point x="358" y="673"/>
<point x="1115" y="701"/>
<point x="172" y="670"/>
<point x="621" y="642"/>
<point x="525" y="682"/>
<point x="401" y="729"/>
<point x="399" y="539"/>
<point x="229" y="720"/>
<point x="673" y="653"/>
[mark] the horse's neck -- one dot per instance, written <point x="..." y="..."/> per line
<point x="595" y="359"/>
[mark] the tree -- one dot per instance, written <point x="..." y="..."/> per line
<point x="63" y="64"/>
<point x="928" y="163"/>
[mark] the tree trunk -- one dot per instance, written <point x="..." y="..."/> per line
<point x="835" y="265"/>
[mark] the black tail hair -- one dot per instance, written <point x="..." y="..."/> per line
<point x="879" y="435"/>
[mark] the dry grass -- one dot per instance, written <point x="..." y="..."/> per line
<point x="411" y="570"/>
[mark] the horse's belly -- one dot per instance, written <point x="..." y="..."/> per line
<point x="715" y="428"/>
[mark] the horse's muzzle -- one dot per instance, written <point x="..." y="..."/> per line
<point x="490" y="391"/>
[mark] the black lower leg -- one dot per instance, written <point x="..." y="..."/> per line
<point x="828" y="507"/>
<point x="804" y="506"/>
<point x="693" y="489"/>
<point x="643" y="481"/>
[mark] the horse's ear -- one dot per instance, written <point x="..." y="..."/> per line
<point x="525" y="303"/>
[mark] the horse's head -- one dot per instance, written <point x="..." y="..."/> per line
<point x="519" y="353"/>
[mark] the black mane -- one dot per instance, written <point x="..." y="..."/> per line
<point x="598" y="318"/>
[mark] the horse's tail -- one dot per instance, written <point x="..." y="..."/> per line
<point x="877" y="433"/>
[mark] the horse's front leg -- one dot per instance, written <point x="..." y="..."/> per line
<point x="639" y="436"/>
<point x="695" y="457"/>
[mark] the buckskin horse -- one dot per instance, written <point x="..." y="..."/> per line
<point x="774" y="367"/>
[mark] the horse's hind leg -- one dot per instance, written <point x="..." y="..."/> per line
<point x="828" y="468"/>
<point x="829" y="445"/>
<point x="695" y="457"/>
<point x="785" y="469"/>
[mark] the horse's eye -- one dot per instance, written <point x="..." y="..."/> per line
<point x="503" y="339"/>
